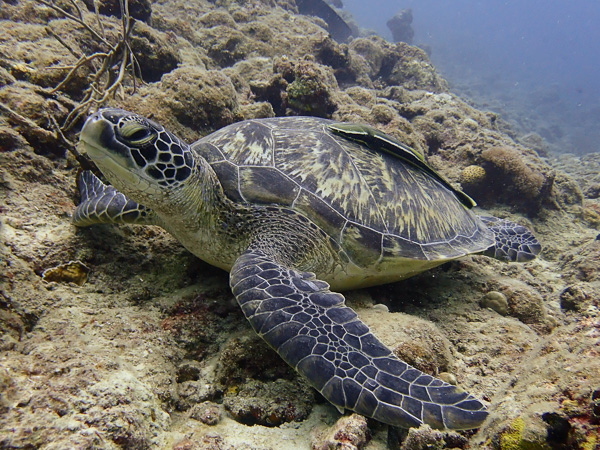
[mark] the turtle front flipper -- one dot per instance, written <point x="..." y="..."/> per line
<point x="313" y="331"/>
<point x="104" y="204"/>
<point x="514" y="242"/>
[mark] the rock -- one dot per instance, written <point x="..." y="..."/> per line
<point x="575" y="298"/>
<point x="200" y="99"/>
<point x="206" y="412"/>
<point x="383" y="114"/>
<point x="409" y="67"/>
<point x="225" y="45"/>
<point x="401" y="26"/>
<point x="425" y="437"/>
<point x="512" y="180"/>
<point x="271" y="403"/>
<point x="524" y="434"/>
<point x="249" y="357"/>
<point x="583" y="263"/>
<point x="527" y="305"/>
<point x="535" y="142"/>
<point x="310" y="92"/>
<point x="155" y="53"/>
<point x="138" y="9"/>
<point x="448" y="378"/>
<point x="373" y="52"/>
<point x="348" y="433"/>
<point x="339" y="58"/>
<point x="497" y="301"/>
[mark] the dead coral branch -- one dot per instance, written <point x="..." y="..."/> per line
<point x="109" y="67"/>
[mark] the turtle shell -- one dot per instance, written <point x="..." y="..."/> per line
<point x="373" y="203"/>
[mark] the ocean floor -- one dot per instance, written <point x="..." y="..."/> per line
<point x="136" y="344"/>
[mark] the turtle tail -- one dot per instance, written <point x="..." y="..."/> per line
<point x="514" y="242"/>
<point x="101" y="203"/>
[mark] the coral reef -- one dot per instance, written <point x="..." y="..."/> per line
<point x="151" y="350"/>
<point x="472" y="176"/>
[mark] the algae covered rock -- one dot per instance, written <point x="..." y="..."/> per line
<point x="299" y="87"/>
<point x="497" y="301"/>
<point x="350" y="432"/>
<point x="310" y="92"/>
<point x="271" y="403"/>
<point x="515" y="181"/>
<point x="138" y="9"/>
<point x="156" y="54"/>
<point x="200" y="99"/>
<point x="401" y="26"/>
<point x="409" y="67"/>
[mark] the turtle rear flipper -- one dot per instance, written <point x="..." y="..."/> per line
<point x="313" y="331"/>
<point x="514" y="242"/>
<point x="104" y="204"/>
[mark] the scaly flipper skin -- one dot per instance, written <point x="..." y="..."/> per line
<point x="104" y="204"/>
<point x="514" y="242"/>
<point x="313" y="331"/>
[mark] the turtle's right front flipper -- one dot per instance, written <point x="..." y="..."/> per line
<point x="313" y="331"/>
<point x="104" y="204"/>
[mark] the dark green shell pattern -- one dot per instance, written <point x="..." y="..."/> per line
<point x="373" y="203"/>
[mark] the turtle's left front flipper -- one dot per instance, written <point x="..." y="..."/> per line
<point x="318" y="335"/>
<point x="514" y="242"/>
<point x="104" y="204"/>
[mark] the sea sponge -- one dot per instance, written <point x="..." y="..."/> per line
<point x="472" y="175"/>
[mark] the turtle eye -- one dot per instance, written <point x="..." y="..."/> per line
<point x="135" y="133"/>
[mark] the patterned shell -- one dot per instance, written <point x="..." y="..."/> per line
<point x="374" y="204"/>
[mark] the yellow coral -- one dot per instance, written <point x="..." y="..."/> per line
<point x="472" y="175"/>
<point x="511" y="438"/>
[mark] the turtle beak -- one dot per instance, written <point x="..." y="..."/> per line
<point x="98" y="139"/>
<point x="91" y="136"/>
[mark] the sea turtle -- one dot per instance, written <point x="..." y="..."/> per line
<point x="297" y="208"/>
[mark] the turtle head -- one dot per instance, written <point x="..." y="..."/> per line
<point x="138" y="156"/>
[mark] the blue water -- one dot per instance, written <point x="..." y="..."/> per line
<point x="536" y="61"/>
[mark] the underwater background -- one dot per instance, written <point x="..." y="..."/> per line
<point x="535" y="62"/>
<point x="116" y="337"/>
